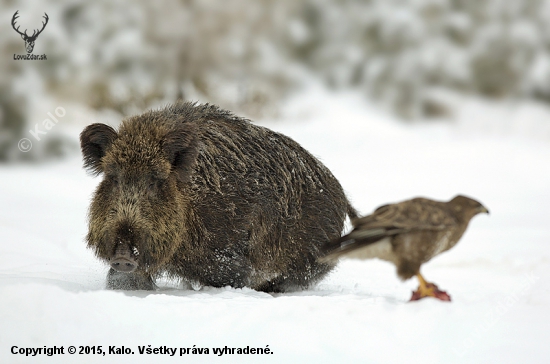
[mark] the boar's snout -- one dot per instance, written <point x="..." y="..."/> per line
<point x="123" y="260"/>
<point x="121" y="264"/>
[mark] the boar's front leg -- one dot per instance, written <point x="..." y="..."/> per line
<point x="129" y="281"/>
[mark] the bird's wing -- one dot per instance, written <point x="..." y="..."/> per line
<point x="389" y="220"/>
<point x="415" y="214"/>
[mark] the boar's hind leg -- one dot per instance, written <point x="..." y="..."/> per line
<point x="129" y="281"/>
<point x="296" y="280"/>
<point x="273" y="286"/>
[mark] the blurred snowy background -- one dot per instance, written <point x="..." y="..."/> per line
<point x="398" y="98"/>
<point x="411" y="57"/>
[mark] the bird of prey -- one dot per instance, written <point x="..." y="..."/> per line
<point x="408" y="234"/>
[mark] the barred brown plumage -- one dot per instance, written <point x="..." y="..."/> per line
<point x="408" y="234"/>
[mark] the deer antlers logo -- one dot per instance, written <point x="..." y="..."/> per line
<point x="29" y="40"/>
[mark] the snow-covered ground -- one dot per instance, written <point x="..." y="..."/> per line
<point x="52" y="288"/>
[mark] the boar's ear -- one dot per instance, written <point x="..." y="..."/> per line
<point x="94" y="142"/>
<point x="181" y="149"/>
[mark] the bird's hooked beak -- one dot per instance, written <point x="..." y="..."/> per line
<point x="482" y="209"/>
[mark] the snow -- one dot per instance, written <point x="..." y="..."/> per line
<point x="52" y="288"/>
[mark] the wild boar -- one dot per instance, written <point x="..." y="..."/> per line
<point x="198" y="194"/>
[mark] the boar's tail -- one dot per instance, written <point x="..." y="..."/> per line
<point x="326" y="248"/>
<point x="352" y="212"/>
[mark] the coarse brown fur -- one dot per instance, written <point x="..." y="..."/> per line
<point x="202" y="195"/>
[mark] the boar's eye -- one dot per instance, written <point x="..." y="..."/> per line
<point x="152" y="186"/>
<point x="114" y="181"/>
<point x="155" y="186"/>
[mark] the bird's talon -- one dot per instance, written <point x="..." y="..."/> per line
<point x="430" y="290"/>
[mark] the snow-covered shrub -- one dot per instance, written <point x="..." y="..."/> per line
<point x="399" y="49"/>
<point x="128" y="56"/>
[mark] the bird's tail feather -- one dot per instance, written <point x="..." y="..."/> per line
<point x="356" y="239"/>
<point x="349" y="242"/>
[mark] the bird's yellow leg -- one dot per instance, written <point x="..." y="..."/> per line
<point x="424" y="288"/>
<point x="427" y="289"/>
